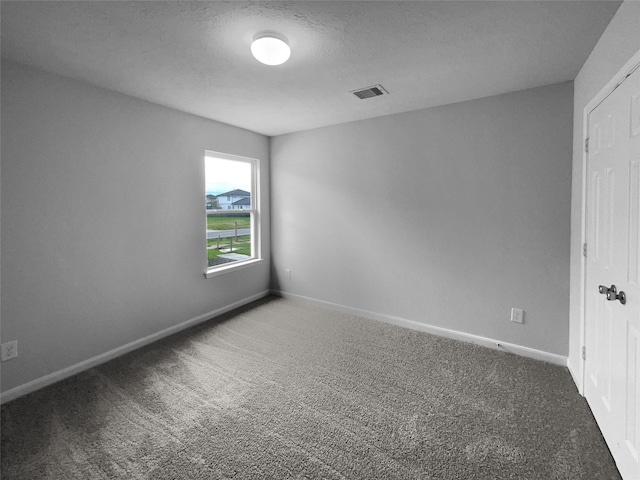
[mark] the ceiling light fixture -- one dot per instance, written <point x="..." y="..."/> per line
<point x="270" y="48"/>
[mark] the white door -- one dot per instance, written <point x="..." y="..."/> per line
<point x="612" y="365"/>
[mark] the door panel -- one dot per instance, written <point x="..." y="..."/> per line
<point x="635" y="114"/>
<point x="609" y="204"/>
<point x="632" y="433"/>
<point x="634" y="220"/>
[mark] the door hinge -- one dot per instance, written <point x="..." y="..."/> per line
<point x="586" y="145"/>
<point x="584" y="249"/>
<point x="584" y="353"/>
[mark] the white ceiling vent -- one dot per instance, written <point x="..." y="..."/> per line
<point x="370" y="92"/>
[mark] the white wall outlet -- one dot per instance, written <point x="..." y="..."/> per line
<point x="517" y="315"/>
<point x="9" y="350"/>
<point x="287" y="273"/>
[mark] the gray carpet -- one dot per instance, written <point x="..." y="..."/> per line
<point x="281" y="389"/>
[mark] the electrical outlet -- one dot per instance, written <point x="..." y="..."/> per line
<point x="9" y="350"/>
<point x="287" y="273"/>
<point x="517" y="315"/>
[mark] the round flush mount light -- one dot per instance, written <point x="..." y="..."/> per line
<point x="270" y="48"/>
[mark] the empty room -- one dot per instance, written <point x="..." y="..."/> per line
<point x="320" y="239"/>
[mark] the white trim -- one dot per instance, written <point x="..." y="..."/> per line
<point x="54" y="377"/>
<point x="230" y="267"/>
<point x="442" y="332"/>
<point x="630" y="66"/>
<point x="229" y="156"/>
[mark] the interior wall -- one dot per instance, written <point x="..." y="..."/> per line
<point x="448" y="216"/>
<point x="103" y="220"/>
<point x="619" y="42"/>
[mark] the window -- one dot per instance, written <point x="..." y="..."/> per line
<point x="233" y="237"/>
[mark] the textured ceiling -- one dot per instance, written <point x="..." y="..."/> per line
<point x="195" y="57"/>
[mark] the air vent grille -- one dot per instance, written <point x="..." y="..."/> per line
<point x="370" y="92"/>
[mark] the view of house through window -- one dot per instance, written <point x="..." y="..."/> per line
<point x="230" y="186"/>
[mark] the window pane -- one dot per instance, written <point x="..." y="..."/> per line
<point x="229" y="181"/>
<point x="228" y="238"/>
<point x="228" y="197"/>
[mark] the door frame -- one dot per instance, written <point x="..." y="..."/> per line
<point x="627" y="69"/>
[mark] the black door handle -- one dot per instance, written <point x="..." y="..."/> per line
<point x="613" y="296"/>
<point x="606" y="290"/>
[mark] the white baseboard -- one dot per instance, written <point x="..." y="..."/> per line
<point x="442" y="332"/>
<point x="54" y="377"/>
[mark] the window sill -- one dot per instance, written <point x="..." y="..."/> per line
<point x="232" y="268"/>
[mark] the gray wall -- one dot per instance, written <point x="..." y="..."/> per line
<point x="619" y="42"/>
<point x="447" y="216"/>
<point x="103" y="220"/>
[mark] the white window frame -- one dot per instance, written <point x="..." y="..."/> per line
<point x="254" y="211"/>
